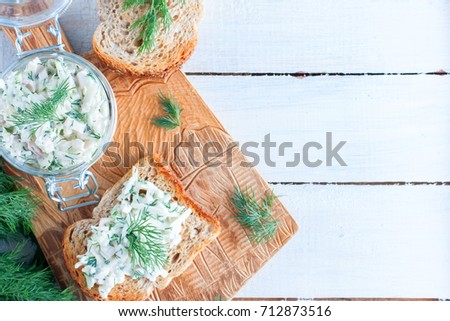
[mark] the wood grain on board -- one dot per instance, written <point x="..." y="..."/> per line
<point x="38" y="38"/>
<point x="230" y="261"/>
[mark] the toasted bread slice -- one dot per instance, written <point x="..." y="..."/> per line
<point x="115" y="44"/>
<point x="198" y="231"/>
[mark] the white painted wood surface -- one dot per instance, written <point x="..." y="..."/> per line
<point x="303" y="35"/>
<point x="355" y="241"/>
<point x="323" y="35"/>
<point x="397" y="128"/>
<point x="362" y="241"/>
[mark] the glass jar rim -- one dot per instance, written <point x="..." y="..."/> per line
<point x="107" y="136"/>
<point x="30" y="13"/>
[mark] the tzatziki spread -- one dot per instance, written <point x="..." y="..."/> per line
<point x="109" y="257"/>
<point x="53" y="114"/>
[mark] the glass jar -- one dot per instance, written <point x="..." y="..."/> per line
<point x="26" y="13"/>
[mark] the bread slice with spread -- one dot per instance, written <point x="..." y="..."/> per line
<point x="144" y="232"/>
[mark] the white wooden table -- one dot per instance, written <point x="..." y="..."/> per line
<point x="372" y="72"/>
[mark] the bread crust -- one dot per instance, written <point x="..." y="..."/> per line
<point x="114" y="43"/>
<point x="131" y="290"/>
<point x="128" y="68"/>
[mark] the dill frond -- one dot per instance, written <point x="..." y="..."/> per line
<point x="21" y="283"/>
<point x="256" y="217"/>
<point x="6" y="183"/>
<point x="146" y="248"/>
<point x="17" y="211"/>
<point x="171" y="119"/>
<point x="149" y="23"/>
<point x="41" y="112"/>
<point x="17" y="280"/>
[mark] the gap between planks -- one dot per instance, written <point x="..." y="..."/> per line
<point x="339" y="299"/>
<point x="310" y="74"/>
<point x="364" y="183"/>
<point x="314" y="74"/>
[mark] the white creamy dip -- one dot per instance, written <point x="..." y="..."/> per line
<point x="108" y="259"/>
<point x="68" y="129"/>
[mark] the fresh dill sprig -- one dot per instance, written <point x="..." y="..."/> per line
<point x="17" y="211"/>
<point x="149" y="22"/>
<point x="17" y="280"/>
<point x="256" y="217"/>
<point x="22" y="283"/>
<point x="173" y="111"/>
<point x="41" y="112"/>
<point x="146" y="245"/>
<point x="7" y="183"/>
<point x="16" y="207"/>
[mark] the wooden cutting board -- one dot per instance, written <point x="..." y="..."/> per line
<point x="223" y="268"/>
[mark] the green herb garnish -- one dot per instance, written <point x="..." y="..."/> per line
<point x="256" y="217"/>
<point x="40" y="113"/>
<point x="55" y="164"/>
<point x="148" y="23"/>
<point x="16" y="211"/>
<point x="17" y="280"/>
<point x="76" y="103"/>
<point x="16" y="207"/>
<point x="173" y="111"/>
<point x="78" y="115"/>
<point x="147" y="248"/>
<point x="92" y="261"/>
<point x="22" y="283"/>
<point x="90" y="75"/>
<point x="6" y="183"/>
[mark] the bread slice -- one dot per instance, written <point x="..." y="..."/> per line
<point x="198" y="231"/>
<point x="115" y="44"/>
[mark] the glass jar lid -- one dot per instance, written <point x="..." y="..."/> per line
<point x="30" y="13"/>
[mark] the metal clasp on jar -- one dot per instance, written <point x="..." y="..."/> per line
<point x="55" y="30"/>
<point x="86" y="183"/>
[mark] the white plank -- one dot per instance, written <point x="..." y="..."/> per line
<point x="7" y="52"/>
<point x="397" y="128"/>
<point x="79" y="22"/>
<point x="309" y="36"/>
<point x="323" y="35"/>
<point x="361" y="241"/>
